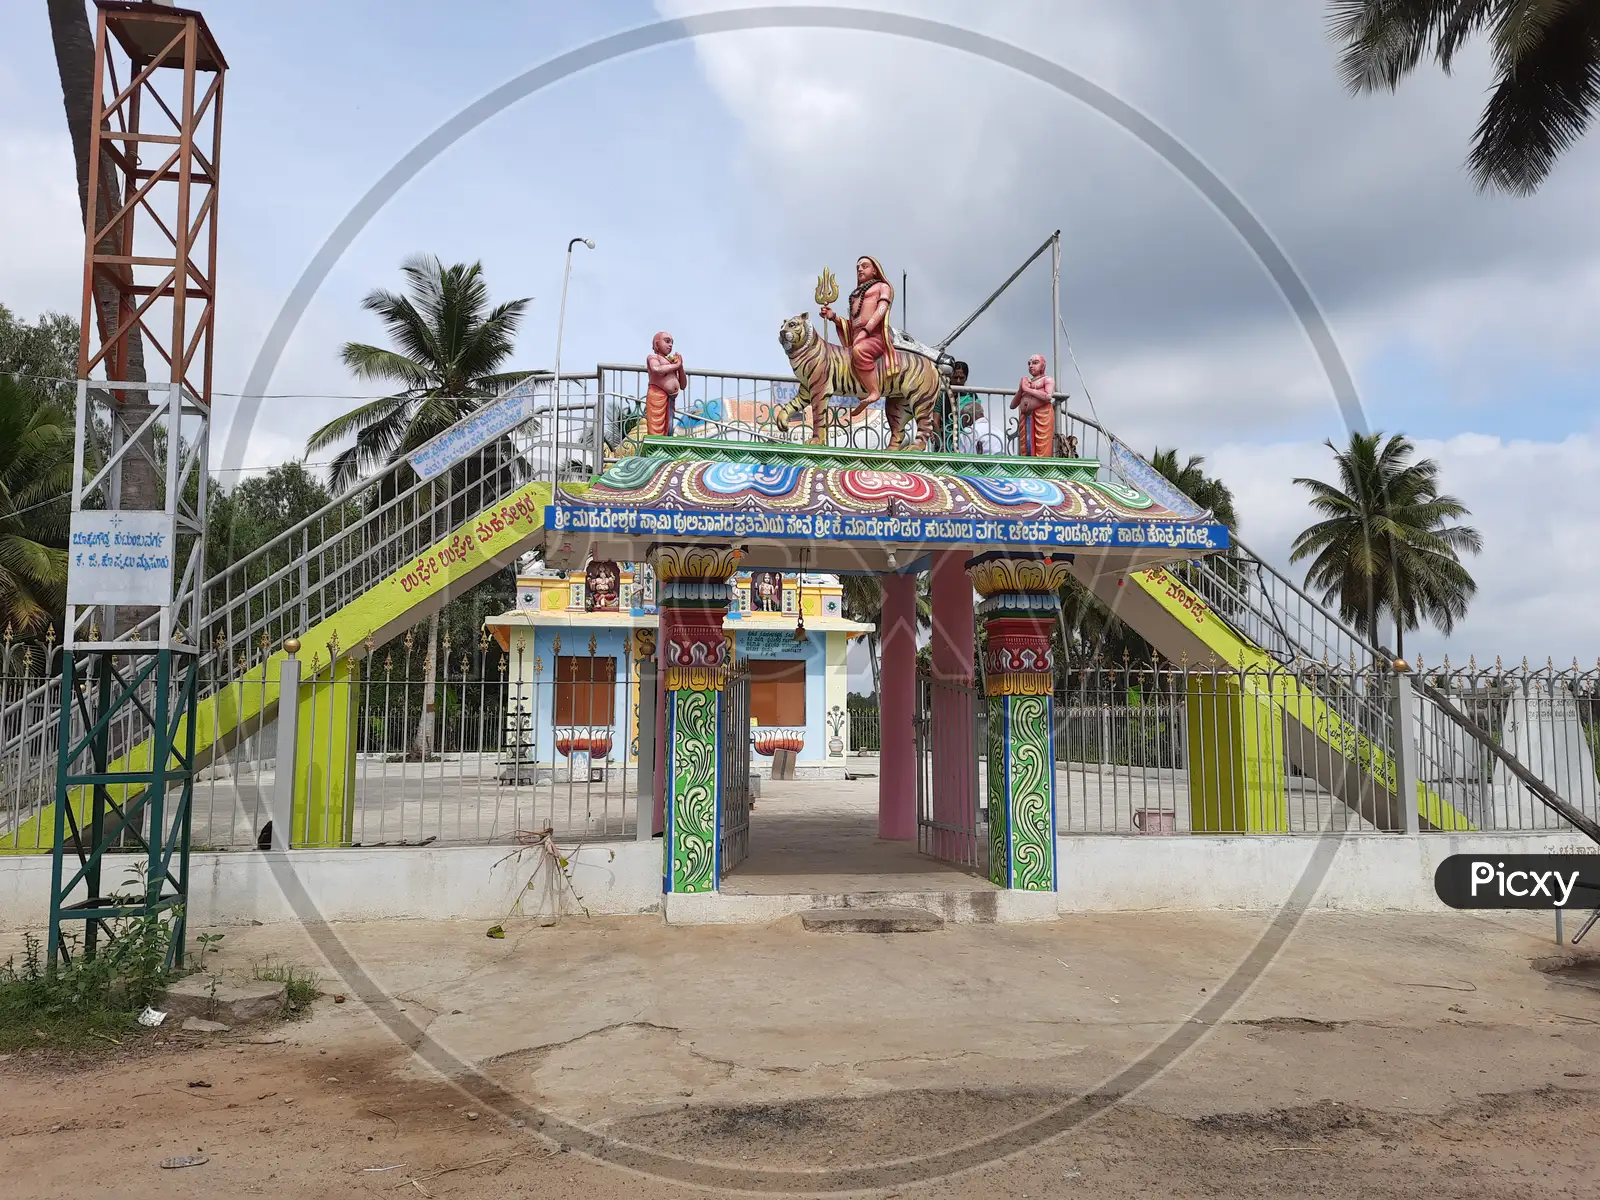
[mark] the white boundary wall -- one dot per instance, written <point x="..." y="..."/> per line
<point x="1370" y="872"/>
<point x="1101" y="873"/>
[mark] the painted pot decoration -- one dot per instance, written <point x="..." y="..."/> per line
<point x="771" y="738"/>
<point x="595" y="741"/>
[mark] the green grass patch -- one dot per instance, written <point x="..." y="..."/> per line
<point x="300" y="984"/>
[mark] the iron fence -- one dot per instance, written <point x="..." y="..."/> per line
<point x="952" y="812"/>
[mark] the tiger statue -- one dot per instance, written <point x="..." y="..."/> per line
<point x="823" y="370"/>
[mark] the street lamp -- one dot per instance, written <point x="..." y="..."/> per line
<point x="555" y="391"/>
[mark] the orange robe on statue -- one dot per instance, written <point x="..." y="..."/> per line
<point x="658" y="412"/>
<point x="1038" y="432"/>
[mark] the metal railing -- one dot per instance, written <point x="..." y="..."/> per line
<point x="500" y="749"/>
<point x="381" y="526"/>
<point x="1547" y="719"/>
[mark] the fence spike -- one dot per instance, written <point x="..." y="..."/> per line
<point x="555" y="644"/>
<point x="1472" y="662"/>
<point x="8" y="633"/>
<point x="1524" y="662"/>
<point x="1498" y="668"/>
<point x="410" y="633"/>
<point x="593" y="643"/>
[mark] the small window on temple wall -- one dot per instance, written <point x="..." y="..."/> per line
<point x="778" y="691"/>
<point x="575" y="599"/>
<point x="788" y="600"/>
<point x="586" y="690"/>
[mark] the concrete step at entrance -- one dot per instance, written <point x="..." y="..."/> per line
<point x="870" y="920"/>
<point x="965" y="907"/>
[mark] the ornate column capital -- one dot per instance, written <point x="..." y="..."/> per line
<point x="1021" y="593"/>
<point x="692" y="597"/>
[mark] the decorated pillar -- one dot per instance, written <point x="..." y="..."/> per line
<point x="692" y="596"/>
<point x="1021" y="593"/>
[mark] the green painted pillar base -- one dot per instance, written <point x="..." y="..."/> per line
<point x="693" y="654"/>
<point x="1022" y="793"/>
<point x="325" y="758"/>
<point x="1233" y="744"/>
<point x="694" y="785"/>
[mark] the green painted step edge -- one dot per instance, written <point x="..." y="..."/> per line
<point x="1189" y="610"/>
<point x="491" y="533"/>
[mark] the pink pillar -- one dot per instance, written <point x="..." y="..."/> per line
<point x="897" y="686"/>
<point x="952" y="617"/>
<point x="954" y="715"/>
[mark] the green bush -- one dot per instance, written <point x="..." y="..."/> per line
<point x="89" y="998"/>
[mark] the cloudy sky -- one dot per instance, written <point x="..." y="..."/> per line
<point x="718" y="175"/>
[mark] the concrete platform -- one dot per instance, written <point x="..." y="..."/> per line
<point x="821" y="838"/>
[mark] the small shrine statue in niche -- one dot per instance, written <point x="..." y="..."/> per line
<point x="667" y="379"/>
<point x="1036" y="412"/>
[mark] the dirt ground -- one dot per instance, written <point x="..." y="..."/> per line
<point x="1376" y="1056"/>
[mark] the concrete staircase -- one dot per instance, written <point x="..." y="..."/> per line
<point x="986" y="906"/>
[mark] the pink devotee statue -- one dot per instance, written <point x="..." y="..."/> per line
<point x="866" y="334"/>
<point x="1036" y="411"/>
<point x="667" y="379"/>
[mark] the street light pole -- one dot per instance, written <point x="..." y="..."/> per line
<point x="555" y="390"/>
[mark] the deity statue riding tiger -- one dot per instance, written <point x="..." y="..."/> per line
<point x="910" y="383"/>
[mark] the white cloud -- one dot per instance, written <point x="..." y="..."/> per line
<point x="1538" y="573"/>
<point x="42" y="231"/>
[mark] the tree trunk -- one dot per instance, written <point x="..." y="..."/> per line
<point x="424" y="739"/>
<point x="872" y="660"/>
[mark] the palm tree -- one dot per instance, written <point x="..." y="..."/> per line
<point x="1190" y="478"/>
<point x="35" y="486"/>
<point x="1547" y="70"/>
<point x="1386" y="545"/>
<point x="450" y="347"/>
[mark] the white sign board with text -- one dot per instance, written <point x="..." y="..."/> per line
<point x="475" y="431"/>
<point x="121" y="558"/>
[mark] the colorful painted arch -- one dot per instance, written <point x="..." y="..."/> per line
<point x="861" y="514"/>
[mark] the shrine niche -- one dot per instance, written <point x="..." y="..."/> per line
<point x="766" y="591"/>
<point x="602" y="587"/>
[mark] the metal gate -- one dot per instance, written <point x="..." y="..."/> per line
<point x="733" y="844"/>
<point x="952" y="820"/>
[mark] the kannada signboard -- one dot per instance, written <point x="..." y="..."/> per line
<point x="494" y="420"/>
<point x="121" y="558"/>
<point x="1033" y="532"/>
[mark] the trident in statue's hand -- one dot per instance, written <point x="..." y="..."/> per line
<point x="827" y="292"/>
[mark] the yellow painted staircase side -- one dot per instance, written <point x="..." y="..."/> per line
<point x="1165" y="611"/>
<point x="481" y="545"/>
